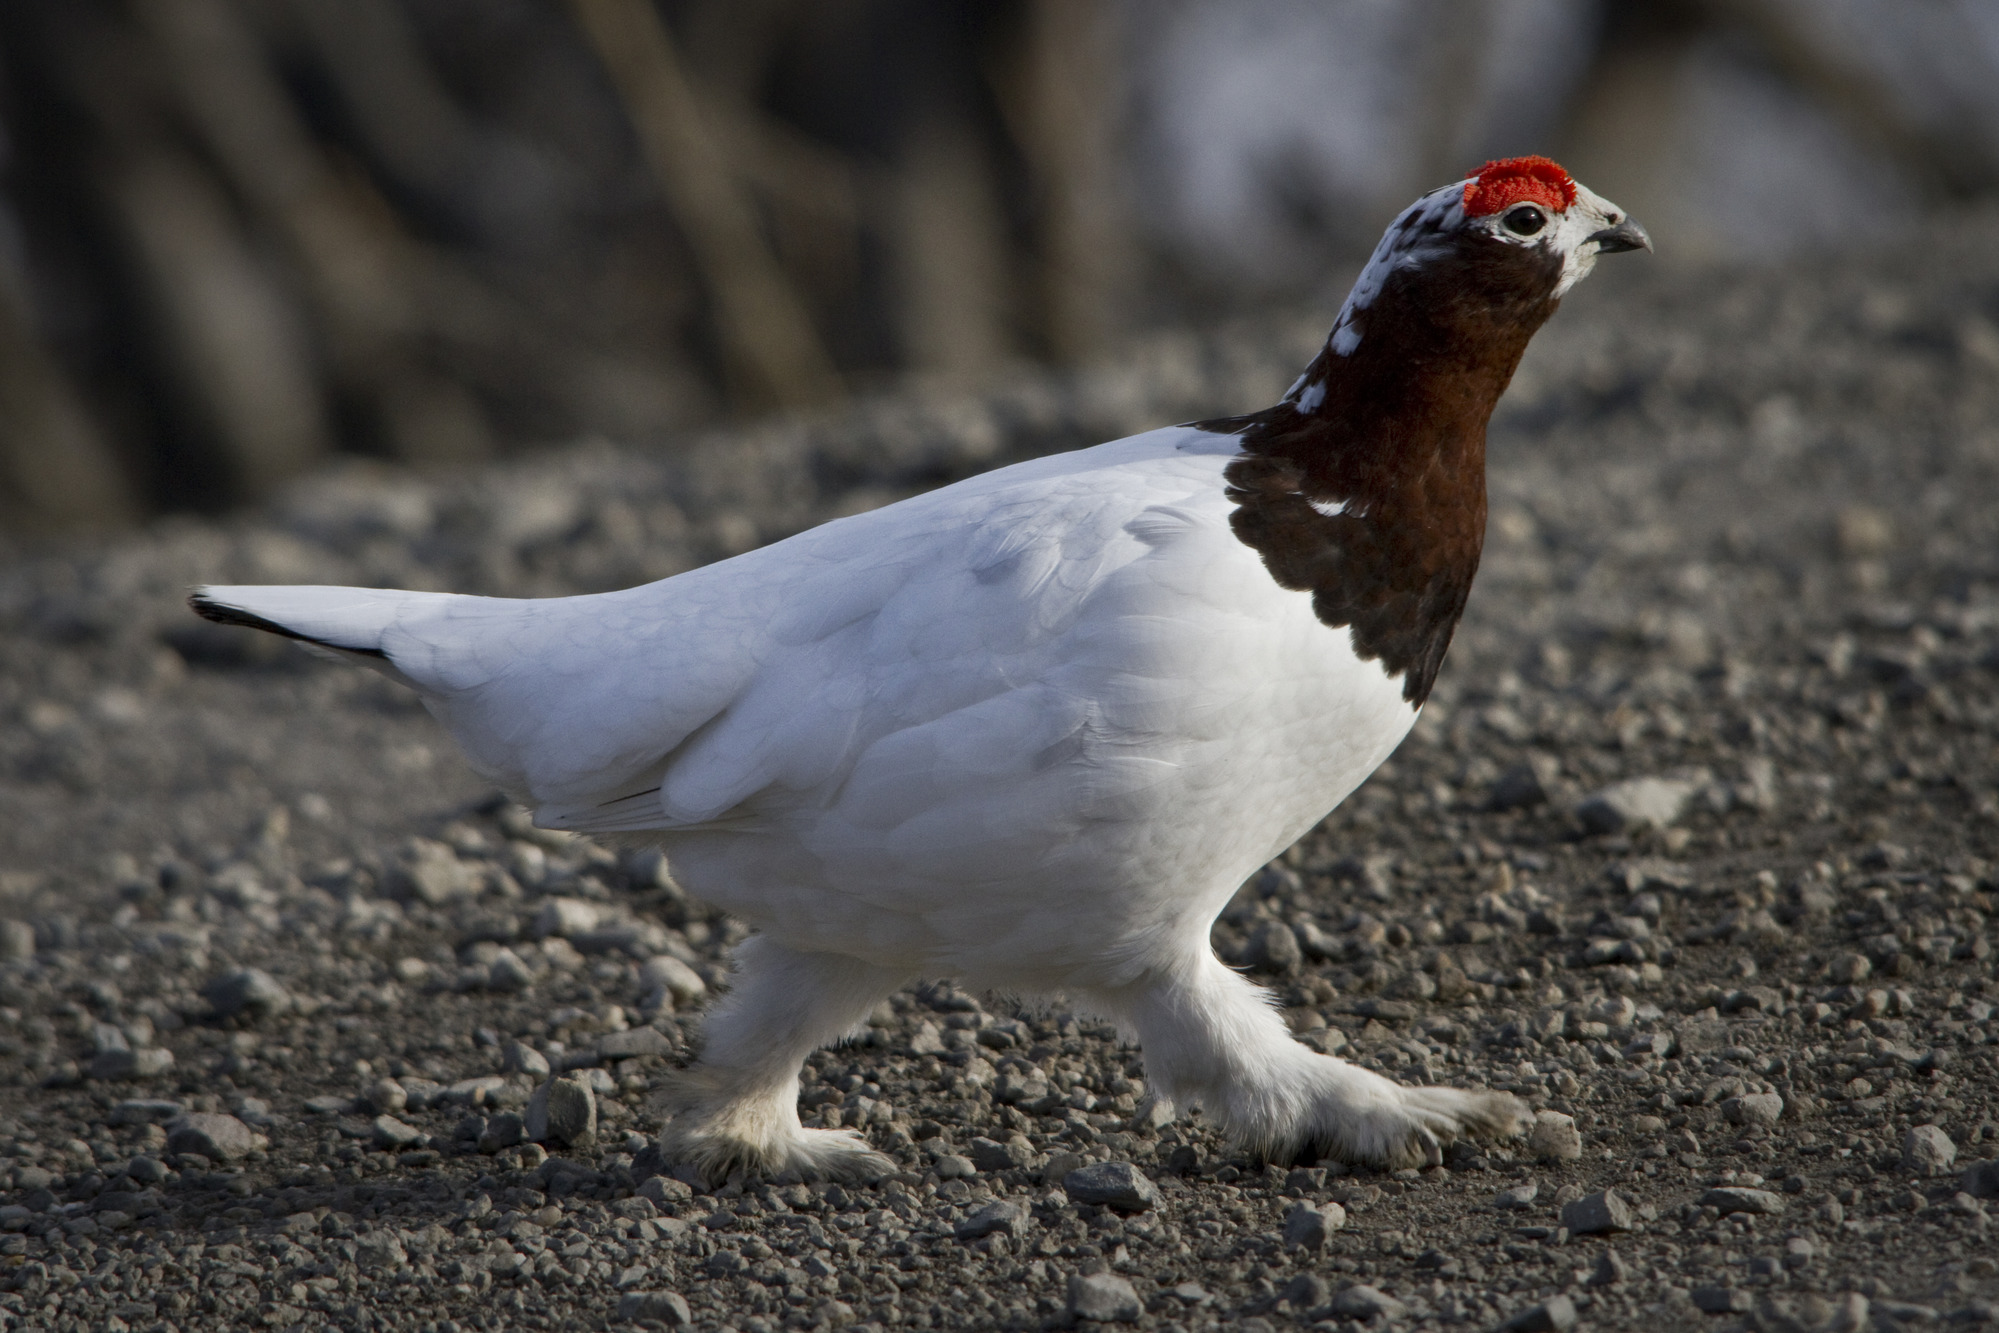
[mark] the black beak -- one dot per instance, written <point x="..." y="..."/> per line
<point x="1626" y="235"/>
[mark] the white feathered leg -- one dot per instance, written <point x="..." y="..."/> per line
<point x="737" y="1106"/>
<point x="1213" y="1040"/>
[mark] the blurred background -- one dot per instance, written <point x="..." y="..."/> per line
<point x="239" y="238"/>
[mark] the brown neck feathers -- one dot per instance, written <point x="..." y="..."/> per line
<point x="1366" y="488"/>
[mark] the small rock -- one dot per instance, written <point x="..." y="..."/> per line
<point x="146" y="1170"/>
<point x="251" y="991"/>
<point x="146" y="1062"/>
<point x="1104" y="1296"/>
<point x="1981" y="1180"/>
<point x="565" y="917"/>
<point x="1117" y="1185"/>
<point x="1306" y="1227"/>
<point x="1365" y="1302"/>
<point x="219" y="1138"/>
<point x="386" y="1096"/>
<point x="1928" y="1151"/>
<point x="1553" y="1315"/>
<point x="379" y="1249"/>
<point x="663" y="1190"/>
<point x="1274" y="948"/>
<point x="1306" y="1292"/>
<point x="668" y="1307"/>
<point x="1755" y="1108"/>
<point x="431" y="873"/>
<point x="144" y="1111"/>
<point x="1594" y="1214"/>
<point x="676" y="978"/>
<point x="1740" y="1199"/>
<point x="1635" y="803"/>
<point x="1519" y="1196"/>
<point x="1721" y="1300"/>
<point x="505" y="1130"/>
<point x="508" y="973"/>
<point x="1609" y="1271"/>
<point x="17" y="939"/>
<point x="1002" y="1216"/>
<point x="517" y="1057"/>
<point x="485" y="1090"/>
<point x="562" y="1110"/>
<point x="992" y="1155"/>
<point x="1554" y="1137"/>
<point x="633" y="1042"/>
<point x="1525" y="784"/>
<point x="393" y="1134"/>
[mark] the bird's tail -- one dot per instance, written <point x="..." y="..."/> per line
<point x="350" y="623"/>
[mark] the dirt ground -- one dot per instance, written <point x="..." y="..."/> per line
<point x="1693" y="849"/>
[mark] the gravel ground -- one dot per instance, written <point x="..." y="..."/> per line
<point x="1693" y="849"/>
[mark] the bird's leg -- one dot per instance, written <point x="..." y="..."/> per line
<point x="737" y="1106"/>
<point x="1214" y="1041"/>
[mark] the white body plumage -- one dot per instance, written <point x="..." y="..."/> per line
<point x="1032" y="730"/>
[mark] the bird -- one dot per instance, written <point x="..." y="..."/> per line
<point x="1031" y="731"/>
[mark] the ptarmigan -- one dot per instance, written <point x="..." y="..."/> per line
<point x="1032" y="730"/>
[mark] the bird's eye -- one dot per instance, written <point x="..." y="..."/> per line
<point x="1525" y="220"/>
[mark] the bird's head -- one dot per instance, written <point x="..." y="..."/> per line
<point x="1505" y="243"/>
<point x="1532" y="203"/>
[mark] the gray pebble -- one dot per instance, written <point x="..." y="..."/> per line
<point x="520" y="1058"/>
<point x="1117" y="1185"/>
<point x="676" y="978"/>
<point x="146" y="1170"/>
<point x="379" y="1250"/>
<point x="1524" y="785"/>
<point x="144" y="1111"/>
<point x="394" y="1134"/>
<point x="1553" y="1315"/>
<point x="220" y="1138"/>
<point x="1105" y="1297"/>
<point x="1928" y="1151"/>
<point x="1756" y="1108"/>
<point x="508" y="973"/>
<point x="386" y="1096"/>
<point x="1518" y="1196"/>
<point x="563" y="1110"/>
<point x="431" y="873"/>
<point x="1647" y="802"/>
<point x="1715" y="1299"/>
<point x="250" y="991"/>
<point x="505" y="1130"/>
<point x="992" y="1155"/>
<point x="565" y="917"/>
<point x="17" y="939"/>
<point x="1981" y="1180"/>
<point x="1594" y="1214"/>
<point x="1307" y="1228"/>
<point x="632" y="1042"/>
<point x="1365" y="1302"/>
<point x="1274" y="948"/>
<point x="146" y="1062"/>
<point x="1741" y="1199"/>
<point x="1001" y="1216"/>
<point x="668" y="1307"/>
<point x="1553" y="1137"/>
